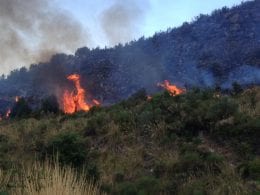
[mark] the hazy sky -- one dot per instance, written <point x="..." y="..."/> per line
<point x="32" y="31"/>
<point x="157" y="14"/>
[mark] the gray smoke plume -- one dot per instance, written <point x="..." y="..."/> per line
<point x="33" y="30"/>
<point x="123" y="19"/>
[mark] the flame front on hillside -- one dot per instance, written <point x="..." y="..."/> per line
<point x="172" y="89"/>
<point x="76" y="100"/>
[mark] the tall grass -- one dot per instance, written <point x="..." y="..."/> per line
<point x="4" y="180"/>
<point x="50" y="179"/>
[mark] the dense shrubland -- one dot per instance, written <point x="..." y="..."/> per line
<point x="201" y="142"/>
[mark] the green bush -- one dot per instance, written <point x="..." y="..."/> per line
<point x="213" y="159"/>
<point x="125" y="119"/>
<point x="197" y="161"/>
<point x="148" y="186"/>
<point x="5" y="147"/>
<point x="126" y="188"/>
<point x="250" y="169"/>
<point x="222" y="109"/>
<point x="243" y="133"/>
<point x="195" y="188"/>
<point x="144" y="186"/>
<point x="243" y="149"/>
<point x="92" y="170"/>
<point x="254" y="169"/>
<point x="119" y="177"/>
<point x="70" y="147"/>
<point x="189" y="164"/>
<point x="96" y="124"/>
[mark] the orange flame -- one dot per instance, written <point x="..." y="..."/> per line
<point x="172" y="89"/>
<point x="69" y="104"/>
<point x="72" y="101"/>
<point x="9" y="111"/>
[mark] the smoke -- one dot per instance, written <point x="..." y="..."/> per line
<point x="244" y="75"/>
<point x="122" y="21"/>
<point x="33" y="30"/>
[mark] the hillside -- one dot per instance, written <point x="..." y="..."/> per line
<point x="200" y="142"/>
<point x="215" y="49"/>
<point x="100" y="122"/>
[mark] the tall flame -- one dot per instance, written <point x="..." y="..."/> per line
<point x="172" y="89"/>
<point x="76" y="101"/>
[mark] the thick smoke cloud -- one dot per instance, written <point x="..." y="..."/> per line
<point x="122" y="21"/>
<point x="33" y="30"/>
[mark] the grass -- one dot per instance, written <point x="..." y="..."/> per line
<point x="47" y="178"/>
<point x="4" y="180"/>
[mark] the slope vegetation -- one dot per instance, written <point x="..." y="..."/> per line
<point x="200" y="142"/>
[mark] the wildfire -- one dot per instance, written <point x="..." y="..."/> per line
<point x="172" y="89"/>
<point x="76" y="100"/>
<point x="7" y="114"/>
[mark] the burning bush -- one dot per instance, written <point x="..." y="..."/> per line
<point x="172" y="89"/>
<point x="76" y="100"/>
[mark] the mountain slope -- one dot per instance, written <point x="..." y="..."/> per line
<point x="213" y="50"/>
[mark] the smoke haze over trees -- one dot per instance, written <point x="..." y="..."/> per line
<point x="34" y="30"/>
<point x="212" y="50"/>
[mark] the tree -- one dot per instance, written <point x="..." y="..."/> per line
<point x="50" y="105"/>
<point x="21" y="109"/>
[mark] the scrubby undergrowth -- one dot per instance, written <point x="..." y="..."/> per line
<point x="201" y="142"/>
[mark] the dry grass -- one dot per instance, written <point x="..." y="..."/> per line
<point x="4" y="180"/>
<point x="49" y="179"/>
